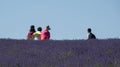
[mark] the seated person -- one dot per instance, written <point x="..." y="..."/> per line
<point x="30" y="33"/>
<point x="91" y="35"/>
<point x="45" y="34"/>
<point x="37" y="34"/>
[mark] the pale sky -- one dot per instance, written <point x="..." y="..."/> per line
<point x="68" y="19"/>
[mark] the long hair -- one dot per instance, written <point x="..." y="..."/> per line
<point x="32" y="28"/>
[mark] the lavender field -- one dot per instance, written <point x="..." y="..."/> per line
<point x="60" y="53"/>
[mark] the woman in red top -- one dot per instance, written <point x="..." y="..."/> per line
<point x="45" y="34"/>
<point x="30" y="33"/>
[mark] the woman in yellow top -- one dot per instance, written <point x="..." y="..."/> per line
<point x="37" y="34"/>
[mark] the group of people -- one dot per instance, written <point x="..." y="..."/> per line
<point x="39" y="34"/>
<point x="45" y="35"/>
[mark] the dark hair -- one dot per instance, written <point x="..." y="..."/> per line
<point x="32" y="28"/>
<point x="48" y="27"/>
<point x="89" y="30"/>
<point x="39" y="29"/>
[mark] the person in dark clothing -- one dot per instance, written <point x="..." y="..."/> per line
<point x="91" y="35"/>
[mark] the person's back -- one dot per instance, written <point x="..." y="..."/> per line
<point x="37" y="34"/>
<point x="30" y="33"/>
<point x="91" y="35"/>
<point x="30" y="36"/>
<point x="45" y="35"/>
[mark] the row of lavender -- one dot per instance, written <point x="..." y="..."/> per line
<point x="60" y="53"/>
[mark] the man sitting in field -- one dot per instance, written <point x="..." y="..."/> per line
<point x="91" y="35"/>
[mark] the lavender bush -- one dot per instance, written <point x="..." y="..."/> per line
<point x="60" y="53"/>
